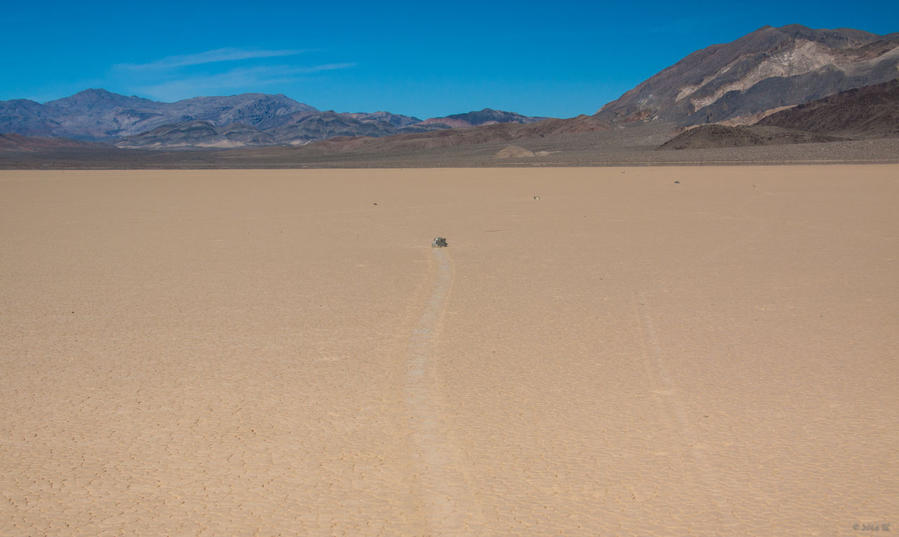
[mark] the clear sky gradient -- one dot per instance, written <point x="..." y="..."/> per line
<point x="426" y="59"/>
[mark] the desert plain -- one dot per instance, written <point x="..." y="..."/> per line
<point x="599" y="351"/>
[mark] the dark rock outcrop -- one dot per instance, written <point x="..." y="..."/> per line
<point x="868" y="112"/>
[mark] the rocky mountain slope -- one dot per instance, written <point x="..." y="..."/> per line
<point x="870" y="111"/>
<point x="233" y="121"/>
<point x="760" y="72"/>
<point x="861" y="113"/>
<point x="198" y="134"/>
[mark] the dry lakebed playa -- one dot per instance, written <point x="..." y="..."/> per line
<point x="598" y="352"/>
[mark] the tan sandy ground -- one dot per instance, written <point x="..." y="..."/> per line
<point x="269" y="353"/>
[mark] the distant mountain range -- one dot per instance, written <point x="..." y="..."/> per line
<point x="762" y="82"/>
<point x="99" y="115"/>
<point x="249" y="119"/>
<point x="768" y="71"/>
<point x="761" y="72"/>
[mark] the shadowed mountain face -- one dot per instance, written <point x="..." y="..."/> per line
<point x="395" y="120"/>
<point x="871" y="111"/>
<point x="247" y="119"/>
<point x="762" y="71"/>
<point x="198" y="134"/>
<point x="867" y="112"/>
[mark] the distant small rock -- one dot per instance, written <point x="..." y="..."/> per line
<point x="439" y="242"/>
<point x="677" y="182"/>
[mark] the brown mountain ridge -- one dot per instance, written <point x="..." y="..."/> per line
<point x="761" y="71"/>
<point x="859" y="113"/>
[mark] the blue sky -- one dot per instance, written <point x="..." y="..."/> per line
<point x="425" y="59"/>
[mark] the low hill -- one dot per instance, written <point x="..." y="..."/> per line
<point x="514" y="151"/>
<point x="487" y="116"/>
